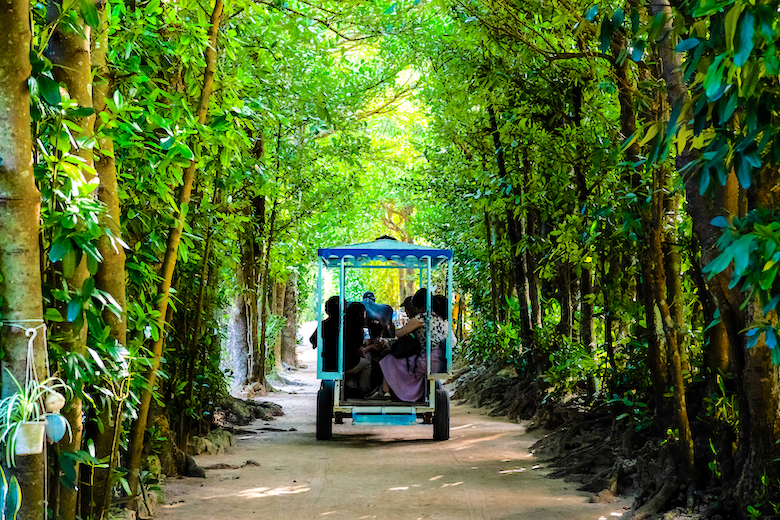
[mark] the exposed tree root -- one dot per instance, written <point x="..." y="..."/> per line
<point x="659" y="501"/>
<point x="608" y="458"/>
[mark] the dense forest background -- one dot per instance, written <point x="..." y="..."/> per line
<point x="606" y="173"/>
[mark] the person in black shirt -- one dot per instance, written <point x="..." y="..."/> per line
<point x="330" y="336"/>
<point x="357" y="365"/>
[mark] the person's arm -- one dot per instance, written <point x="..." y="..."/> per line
<point x="411" y="325"/>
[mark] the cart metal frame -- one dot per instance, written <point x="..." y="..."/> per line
<point x="395" y="255"/>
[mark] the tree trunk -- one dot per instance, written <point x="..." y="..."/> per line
<point x="290" y="313"/>
<point x="761" y="428"/>
<point x="69" y="52"/>
<point x="587" y="324"/>
<point x="241" y="349"/>
<point x="534" y="285"/>
<point x="674" y="288"/>
<point x="21" y="299"/>
<point x="653" y="225"/>
<point x="278" y="306"/>
<point x="138" y="429"/>
<point x="491" y="262"/>
<point x="258" y="371"/>
<point x="461" y="317"/>
<point x="192" y="353"/>
<point x="565" y="327"/>
<point x="515" y="231"/>
<point x="110" y="276"/>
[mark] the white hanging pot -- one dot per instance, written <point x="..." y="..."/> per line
<point x="28" y="438"/>
<point x="56" y="427"/>
<point x="54" y="402"/>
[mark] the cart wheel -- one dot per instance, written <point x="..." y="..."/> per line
<point x="325" y="411"/>
<point x="441" y="414"/>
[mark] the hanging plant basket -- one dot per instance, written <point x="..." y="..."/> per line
<point x="28" y="438"/>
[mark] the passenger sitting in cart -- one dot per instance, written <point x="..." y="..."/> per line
<point x="357" y="363"/>
<point x="406" y="377"/>
<point x="330" y="336"/>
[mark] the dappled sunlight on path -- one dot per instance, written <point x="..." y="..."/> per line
<point x="485" y="471"/>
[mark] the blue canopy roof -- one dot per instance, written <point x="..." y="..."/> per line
<point x="405" y="254"/>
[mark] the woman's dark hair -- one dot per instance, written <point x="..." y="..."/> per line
<point x="353" y="325"/>
<point x="438" y="303"/>
<point x="332" y="306"/>
<point x="355" y="314"/>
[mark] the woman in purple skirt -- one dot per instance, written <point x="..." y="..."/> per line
<point x="406" y="377"/>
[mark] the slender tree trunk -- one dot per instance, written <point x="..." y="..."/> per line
<point x="135" y="448"/>
<point x="289" y="337"/>
<point x="673" y="263"/>
<point x="461" y="317"/>
<point x="514" y="228"/>
<point x="565" y="326"/>
<point x="717" y="354"/>
<point x="258" y="371"/>
<point x="493" y="275"/>
<point x="653" y="234"/>
<point x="192" y="353"/>
<point x="588" y="325"/>
<point x="534" y="285"/>
<point x="20" y="286"/>
<point x="656" y="356"/>
<point x="278" y="309"/>
<point x="110" y="276"/>
<point x="241" y="347"/>
<point x="69" y="51"/>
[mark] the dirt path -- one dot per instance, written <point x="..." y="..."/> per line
<point x="485" y="471"/>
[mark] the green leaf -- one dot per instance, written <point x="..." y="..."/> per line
<point x="720" y="263"/>
<point x="14" y="499"/>
<point x="638" y="50"/>
<point x="167" y="142"/>
<point x="605" y="35"/>
<point x="391" y="9"/>
<point x="776" y="356"/>
<point x="88" y="287"/>
<point x="69" y="262"/>
<point x="771" y="304"/>
<point x="89" y="13"/>
<point x="73" y="310"/>
<point x="58" y="249"/>
<point x="720" y="222"/>
<point x="704" y="181"/>
<point x="686" y="45"/>
<point x="728" y="107"/>
<point x="770" y="338"/>
<point x="746" y="30"/>
<point x="743" y="169"/>
<point x="752" y="335"/>
<point x="730" y="25"/>
<point x="742" y="248"/>
<point x="768" y="278"/>
<point x="185" y="151"/>
<point x="50" y="90"/>
<point x="712" y="81"/>
<point x="68" y="468"/>
<point x="92" y="265"/>
<point x="617" y="18"/>
<point x="53" y="314"/>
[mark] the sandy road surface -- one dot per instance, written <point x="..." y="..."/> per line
<point x="484" y="471"/>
